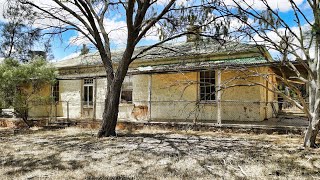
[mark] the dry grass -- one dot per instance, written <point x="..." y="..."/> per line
<point x="152" y="154"/>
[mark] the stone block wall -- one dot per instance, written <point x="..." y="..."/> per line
<point x="173" y="96"/>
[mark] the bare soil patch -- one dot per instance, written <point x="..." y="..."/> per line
<point x="75" y="153"/>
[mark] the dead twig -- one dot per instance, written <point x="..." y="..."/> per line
<point x="242" y="171"/>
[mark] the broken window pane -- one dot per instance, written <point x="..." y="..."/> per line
<point x="207" y="85"/>
<point x="126" y="96"/>
<point x="126" y="92"/>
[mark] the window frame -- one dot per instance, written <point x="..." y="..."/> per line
<point x="128" y="88"/>
<point x="55" y="91"/>
<point x="87" y="84"/>
<point x="207" y="86"/>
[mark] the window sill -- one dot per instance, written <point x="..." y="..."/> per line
<point x="126" y="104"/>
<point x="87" y="107"/>
<point x="208" y="102"/>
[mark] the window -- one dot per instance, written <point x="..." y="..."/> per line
<point x="88" y="92"/>
<point x="55" y="91"/>
<point x="207" y="86"/>
<point x="126" y="90"/>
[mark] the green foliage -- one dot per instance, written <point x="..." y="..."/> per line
<point x="203" y="14"/>
<point x="20" y="83"/>
<point x="17" y="40"/>
<point x="18" y="35"/>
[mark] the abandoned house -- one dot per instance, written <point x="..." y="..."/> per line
<point x="187" y="81"/>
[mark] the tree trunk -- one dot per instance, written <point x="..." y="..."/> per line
<point x="112" y="100"/>
<point x="313" y="128"/>
<point x="111" y="109"/>
<point x="314" y="84"/>
<point x="311" y="133"/>
<point x="24" y="116"/>
<point x="25" y="120"/>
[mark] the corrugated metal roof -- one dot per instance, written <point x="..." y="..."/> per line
<point x="232" y="63"/>
<point x="185" y="49"/>
<point x="241" y="61"/>
<point x="185" y="67"/>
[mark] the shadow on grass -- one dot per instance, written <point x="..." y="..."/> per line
<point x="108" y="178"/>
<point x="209" y="155"/>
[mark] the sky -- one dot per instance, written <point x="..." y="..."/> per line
<point x="66" y="45"/>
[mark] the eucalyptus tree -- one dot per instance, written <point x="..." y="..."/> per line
<point x="293" y="40"/>
<point x="18" y="36"/>
<point x="169" y="18"/>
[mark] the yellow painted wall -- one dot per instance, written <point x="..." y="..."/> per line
<point x="100" y="96"/>
<point x="140" y="89"/>
<point x="267" y="95"/>
<point x="174" y="96"/>
<point x="70" y="92"/>
<point x="39" y="102"/>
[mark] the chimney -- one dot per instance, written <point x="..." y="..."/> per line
<point x="194" y="31"/>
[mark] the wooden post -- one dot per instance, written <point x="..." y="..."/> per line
<point x="68" y="111"/>
<point x="196" y="113"/>
<point x="267" y="100"/>
<point x="51" y="107"/>
<point x="149" y="95"/>
<point x="56" y="111"/>
<point x="95" y="98"/>
<point x="218" y="90"/>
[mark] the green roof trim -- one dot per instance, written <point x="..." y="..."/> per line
<point x="246" y="60"/>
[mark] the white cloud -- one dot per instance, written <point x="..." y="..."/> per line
<point x="276" y="38"/>
<point x="45" y="20"/>
<point x="3" y="4"/>
<point x="117" y="31"/>
<point x="178" y="2"/>
<point x="153" y="33"/>
<point x="281" y="5"/>
<point x="70" y="56"/>
<point x="115" y="27"/>
<point x="236" y="24"/>
<point x="305" y="6"/>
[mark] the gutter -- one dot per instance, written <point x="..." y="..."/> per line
<point x="174" y="68"/>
